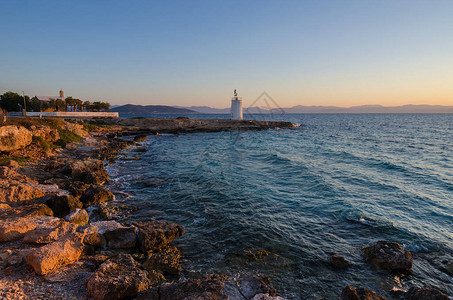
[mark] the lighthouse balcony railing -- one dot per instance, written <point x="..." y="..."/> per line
<point x="236" y="98"/>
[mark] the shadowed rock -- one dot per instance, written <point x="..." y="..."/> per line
<point x="121" y="238"/>
<point x="425" y="293"/>
<point x="78" y="216"/>
<point x="89" y="171"/>
<point x="250" y="285"/>
<point x="12" y="229"/>
<point x="166" y="260"/>
<point x="117" y="278"/>
<point x="389" y="255"/>
<point x="339" y="262"/>
<point x="153" y="235"/>
<point x="63" y="205"/>
<point x="95" y="194"/>
<point x="92" y="236"/>
<point x="354" y="293"/>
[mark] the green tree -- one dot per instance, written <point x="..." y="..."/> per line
<point x="12" y="101"/>
<point x="74" y="102"/>
<point x="86" y="106"/>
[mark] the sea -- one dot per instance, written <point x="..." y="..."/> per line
<point x="332" y="185"/>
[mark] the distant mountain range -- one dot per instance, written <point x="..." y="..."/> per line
<point x="163" y="109"/>
<point x="151" y="109"/>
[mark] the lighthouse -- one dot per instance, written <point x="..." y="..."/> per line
<point x="236" y="107"/>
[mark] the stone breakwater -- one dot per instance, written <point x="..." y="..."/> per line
<point x="59" y="238"/>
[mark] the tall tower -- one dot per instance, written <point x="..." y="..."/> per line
<point x="236" y="107"/>
<point x="62" y="94"/>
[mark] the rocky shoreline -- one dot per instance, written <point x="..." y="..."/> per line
<point x="58" y="234"/>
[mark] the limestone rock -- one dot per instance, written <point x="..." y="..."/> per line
<point x="166" y="260"/>
<point x="210" y="287"/>
<point x="339" y="262"/>
<point x="354" y="293"/>
<point x="27" y="211"/>
<point x="46" y="133"/>
<point x="95" y="194"/>
<point x="104" y="226"/>
<point x="117" y="278"/>
<point x="11" y="164"/>
<point x="121" y="238"/>
<point x="266" y="297"/>
<point x="153" y="235"/>
<point x="12" y="229"/>
<point x="389" y="255"/>
<point x="4" y="206"/>
<point x="92" y="236"/>
<point x="78" y="216"/>
<point x="14" y="137"/>
<point x="89" y="171"/>
<point x="13" y="191"/>
<point x="49" y="233"/>
<point x="71" y="272"/>
<point x="63" y="205"/>
<point x="425" y="293"/>
<point x="57" y="254"/>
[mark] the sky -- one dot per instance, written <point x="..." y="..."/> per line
<point x="341" y="53"/>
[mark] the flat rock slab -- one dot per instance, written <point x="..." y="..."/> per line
<point x="27" y="211"/>
<point x="13" y="229"/>
<point x="49" y="232"/>
<point x="57" y="254"/>
<point x="166" y="260"/>
<point x="153" y="235"/>
<point x="389" y="255"/>
<point x="117" y="278"/>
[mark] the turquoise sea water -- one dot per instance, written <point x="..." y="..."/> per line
<point x="338" y="182"/>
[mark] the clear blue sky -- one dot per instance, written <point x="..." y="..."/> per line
<point x="197" y="52"/>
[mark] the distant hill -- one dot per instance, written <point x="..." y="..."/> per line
<point x="151" y="109"/>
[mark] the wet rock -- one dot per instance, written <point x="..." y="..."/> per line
<point x="354" y="293"/>
<point x="78" y="216"/>
<point x="250" y="285"/>
<point x="121" y="238"/>
<point x="95" y="194"/>
<point x="256" y="256"/>
<point x="14" y="137"/>
<point x="92" y="236"/>
<point x="89" y="171"/>
<point x="339" y="262"/>
<point x="117" y="278"/>
<point x="63" y="205"/>
<point x="49" y="233"/>
<point x="389" y="255"/>
<point x="153" y="235"/>
<point x="12" y="229"/>
<point x="140" y="138"/>
<point x="166" y="260"/>
<point x="112" y="209"/>
<point x="57" y="254"/>
<point x="211" y="287"/>
<point x="425" y="293"/>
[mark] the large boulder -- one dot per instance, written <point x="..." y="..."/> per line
<point x="27" y="211"/>
<point x="95" y="194"/>
<point x="78" y="216"/>
<point x="211" y="287"/>
<point x="12" y="229"/>
<point x="425" y="293"/>
<point x="14" y="137"/>
<point x="166" y="260"/>
<point x="46" y="133"/>
<point x="153" y="235"/>
<point x="57" y="254"/>
<point x="354" y="293"/>
<point x="49" y="233"/>
<point x="63" y="205"/>
<point x="117" y="278"/>
<point x="389" y="256"/>
<point x="92" y="236"/>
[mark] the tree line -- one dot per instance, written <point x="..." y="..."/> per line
<point x="11" y="101"/>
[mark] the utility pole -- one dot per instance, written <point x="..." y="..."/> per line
<point x="25" y="104"/>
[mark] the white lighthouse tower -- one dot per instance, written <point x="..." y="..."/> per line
<point x="236" y="107"/>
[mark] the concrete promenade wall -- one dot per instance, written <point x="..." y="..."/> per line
<point x="65" y="114"/>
